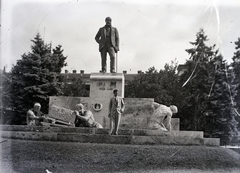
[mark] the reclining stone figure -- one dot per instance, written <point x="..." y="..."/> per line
<point x="161" y="117"/>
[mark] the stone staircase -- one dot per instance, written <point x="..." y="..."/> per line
<point x="93" y="135"/>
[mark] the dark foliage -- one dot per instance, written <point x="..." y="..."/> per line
<point x="77" y="88"/>
<point x="35" y="77"/>
<point x="236" y="82"/>
<point x="220" y="119"/>
<point x="153" y="84"/>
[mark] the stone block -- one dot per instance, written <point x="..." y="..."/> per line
<point x="175" y="123"/>
<point x="120" y="131"/>
<point x="63" y="137"/>
<point x="77" y="130"/>
<point x="102" y="139"/>
<point x="42" y="136"/>
<point x="64" y="101"/>
<point x="212" y="141"/>
<point x="103" y="84"/>
<point x="160" y="140"/>
<point x="171" y="134"/>
<point x="20" y="128"/>
<point x="61" y="113"/>
<point x="25" y="128"/>
<point x="136" y="113"/>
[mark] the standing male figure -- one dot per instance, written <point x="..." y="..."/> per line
<point x="116" y="108"/>
<point x="108" y="40"/>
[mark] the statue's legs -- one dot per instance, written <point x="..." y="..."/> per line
<point x="104" y="59"/>
<point x="112" y="59"/>
<point x="111" y="53"/>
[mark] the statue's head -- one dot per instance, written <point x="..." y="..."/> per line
<point x="79" y="107"/>
<point x="108" y="21"/>
<point x="174" y="109"/>
<point x="37" y="107"/>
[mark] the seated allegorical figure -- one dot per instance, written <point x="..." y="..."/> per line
<point x="35" y="116"/>
<point x="161" y="117"/>
<point x="85" y="118"/>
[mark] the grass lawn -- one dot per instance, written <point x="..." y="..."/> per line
<point x="37" y="156"/>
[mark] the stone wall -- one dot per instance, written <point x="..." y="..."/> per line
<point x="136" y="115"/>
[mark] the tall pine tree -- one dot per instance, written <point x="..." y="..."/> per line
<point x="236" y="68"/>
<point x="36" y="77"/>
<point x="220" y="119"/>
<point x="196" y="83"/>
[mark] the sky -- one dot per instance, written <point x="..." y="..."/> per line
<point x="152" y="32"/>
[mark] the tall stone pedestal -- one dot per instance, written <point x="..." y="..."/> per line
<point x="103" y="84"/>
<point x="101" y="90"/>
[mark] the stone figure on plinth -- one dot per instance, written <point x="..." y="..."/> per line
<point x="85" y="117"/>
<point x="35" y="116"/>
<point x="161" y="117"/>
<point x="108" y="39"/>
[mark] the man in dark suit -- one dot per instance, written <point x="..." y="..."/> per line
<point x="108" y="40"/>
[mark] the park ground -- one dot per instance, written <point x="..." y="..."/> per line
<point x="65" y="157"/>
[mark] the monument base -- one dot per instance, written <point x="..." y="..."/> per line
<point x="93" y="135"/>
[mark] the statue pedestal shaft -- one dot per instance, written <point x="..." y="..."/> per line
<point x="103" y="84"/>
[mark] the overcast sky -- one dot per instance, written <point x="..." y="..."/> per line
<point x="152" y="32"/>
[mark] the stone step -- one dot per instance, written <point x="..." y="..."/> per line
<point x="25" y="128"/>
<point x="102" y="138"/>
<point x="145" y="132"/>
<point x="85" y="130"/>
<point x="92" y="135"/>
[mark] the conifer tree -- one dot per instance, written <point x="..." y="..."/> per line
<point x="196" y="83"/>
<point x="36" y="76"/>
<point x="5" y="98"/>
<point x="236" y="69"/>
<point x="220" y="119"/>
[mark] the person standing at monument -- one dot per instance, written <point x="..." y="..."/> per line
<point x="116" y="108"/>
<point x="108" y="39"/>
<point x="161" y="117"/>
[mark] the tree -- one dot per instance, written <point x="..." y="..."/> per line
<point x="36" y="76"/>
<point x="236" y="82"/>
<point x="220" y="119"/>
<point x="76" y="89"/>
<point x="6" y="98"/>
<point x="153" y="84"/>
<point x="236" y="69"/>
<point x="196" y="83"/>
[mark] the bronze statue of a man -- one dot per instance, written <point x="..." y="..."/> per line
<point x="108" y="40"/>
